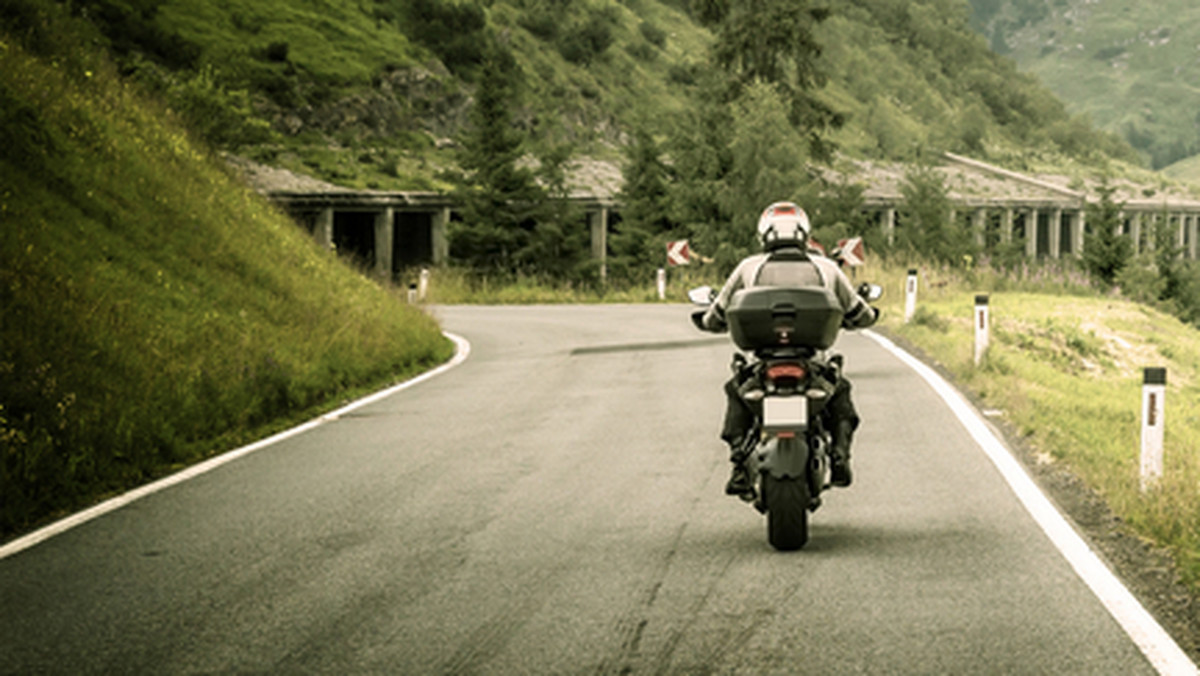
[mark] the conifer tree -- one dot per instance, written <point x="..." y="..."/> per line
<point x="1105" y="252"/>
<point x="775" y="41"/>
<point x="636" y="241"/>
<point x="499" y="197"/>
<point x="927" y="226"/>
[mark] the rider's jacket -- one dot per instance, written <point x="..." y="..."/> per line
<point x="791" y="267"/>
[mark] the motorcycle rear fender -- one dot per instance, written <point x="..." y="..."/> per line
<point x="783" y="458"/>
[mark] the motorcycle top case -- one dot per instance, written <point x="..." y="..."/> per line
<point x="773" y="316"/>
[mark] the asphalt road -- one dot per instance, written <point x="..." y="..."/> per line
<point x="554" y="505"/>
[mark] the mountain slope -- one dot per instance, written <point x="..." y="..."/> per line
<point x="1133" y="68"/>
<point x="371" y="94"/>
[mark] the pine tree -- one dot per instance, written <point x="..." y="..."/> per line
<point x="499" y="197"/>
<point x="775" y="41"/>
<point x="636" y="242"/>
<point x="558" y="241"/>
<point x="1105" y="251"/>
<point x="927" y="227"/>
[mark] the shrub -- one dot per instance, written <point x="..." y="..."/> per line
<point x="653" y="34"/>
<point x="223" y="118"/>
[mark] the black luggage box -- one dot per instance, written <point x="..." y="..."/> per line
<point x="770" y="316"/>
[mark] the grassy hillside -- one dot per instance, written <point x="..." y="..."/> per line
<point x="153" y="310"/>
<point x="1131" y="67"/>
<point x="372" y="93"/>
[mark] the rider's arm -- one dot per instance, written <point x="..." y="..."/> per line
<point x="714" y="318"/>
<point x="858" y="314"/>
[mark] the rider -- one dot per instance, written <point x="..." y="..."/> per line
<point x="787" y="260"/>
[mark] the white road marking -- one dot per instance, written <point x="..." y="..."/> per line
<point x="462" y="350"/>
<point x="1154" y="642"/>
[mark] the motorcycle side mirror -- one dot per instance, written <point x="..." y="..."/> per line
<point x="870" y="292"/>
<point x="702" y="295"/>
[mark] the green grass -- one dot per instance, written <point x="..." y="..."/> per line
<point x="154" y="311"/>
<point x="334" y="41"/>
<point x="454" y="286"/>
<point x="1065" y="369"/>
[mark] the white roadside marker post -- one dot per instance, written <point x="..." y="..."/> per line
<point x="1154" y="390"/>
<point x="910" y="296"/>
<point x="423" y="285"/>
<point x="661" y="283"/>
<point x="981" y="327"/>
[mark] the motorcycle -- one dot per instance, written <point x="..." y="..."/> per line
<point x="786" y="383"/>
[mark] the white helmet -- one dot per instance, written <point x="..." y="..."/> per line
<point x="783" y="224"/>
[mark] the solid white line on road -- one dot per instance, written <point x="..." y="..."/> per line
<point x="1154" y="642"/>
<point x="462" y="350"/>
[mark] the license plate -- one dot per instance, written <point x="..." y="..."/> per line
<point x="785" y="412"/>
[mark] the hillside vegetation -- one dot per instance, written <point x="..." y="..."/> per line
<point x="152" y="309"/>
<point x="372" y="94"/>
<point x="1130" y="67"/>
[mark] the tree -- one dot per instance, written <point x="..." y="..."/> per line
<point x="1168" y="259"/>
<point x="558" y="243"/>
<point x="768" y="162"/>
<point x="732" y="161"/>
<point x="455" y="31"/>
<point x="699" y="145"/>
<point x="775" y="41"/>
<point x="838" y="213"/>
<point x="499" y="197"/>
<point x="1105" y="251"/>
<point x="635" y="243"/>
<point x="927" y="228"/>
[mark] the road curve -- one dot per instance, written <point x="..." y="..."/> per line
<point x="554" y="505"/>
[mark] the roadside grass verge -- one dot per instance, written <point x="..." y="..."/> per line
<point x="455" y="286"/>
<point x="1065" y="370"/>
<point x="154" y="311"/>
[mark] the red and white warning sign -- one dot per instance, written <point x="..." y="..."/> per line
<point x="852" y="251"/>
<point x="678" y="252"/>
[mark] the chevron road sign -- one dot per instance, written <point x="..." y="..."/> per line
<point x="852" y="251"/>
<point x="678" y="253"/>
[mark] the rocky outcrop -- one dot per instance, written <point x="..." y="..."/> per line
<point x="424" y="98"/>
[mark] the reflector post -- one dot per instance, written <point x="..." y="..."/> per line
<point x="981" y="327"/>
<point x="910" y="295"/>
<point x="1154" y="391"/>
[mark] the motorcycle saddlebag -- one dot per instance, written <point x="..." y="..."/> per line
<point x="772" y="316"/>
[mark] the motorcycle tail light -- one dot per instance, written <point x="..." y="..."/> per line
<point x="786" y="371"/>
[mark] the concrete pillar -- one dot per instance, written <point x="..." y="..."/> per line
<point x="324" y="228"/>
<point x="1006" y="226"/>
<point x="1080" y="230"/>
<point x="1150" y="226"/>
<point x="1055" y="225"/>
<point x="599" y="225"/>
<point x="385" y="235"/>
<point x="1031" y="233"/>
<point x="438" y="240"/>
<point x="979" y="225"/>
<point x="889" y="225"/>
<point x="1193" y="233"/>
<point x="1135" y="232"/>
<point x="1180" y="233"/>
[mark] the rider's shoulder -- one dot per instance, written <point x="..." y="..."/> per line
<point x="825" y="263"/>
<point x="751" y="261"/>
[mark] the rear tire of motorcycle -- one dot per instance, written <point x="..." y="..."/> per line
<point x="787" y="512"/>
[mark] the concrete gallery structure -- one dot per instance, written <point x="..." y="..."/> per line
<point x="390" y="231"/>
